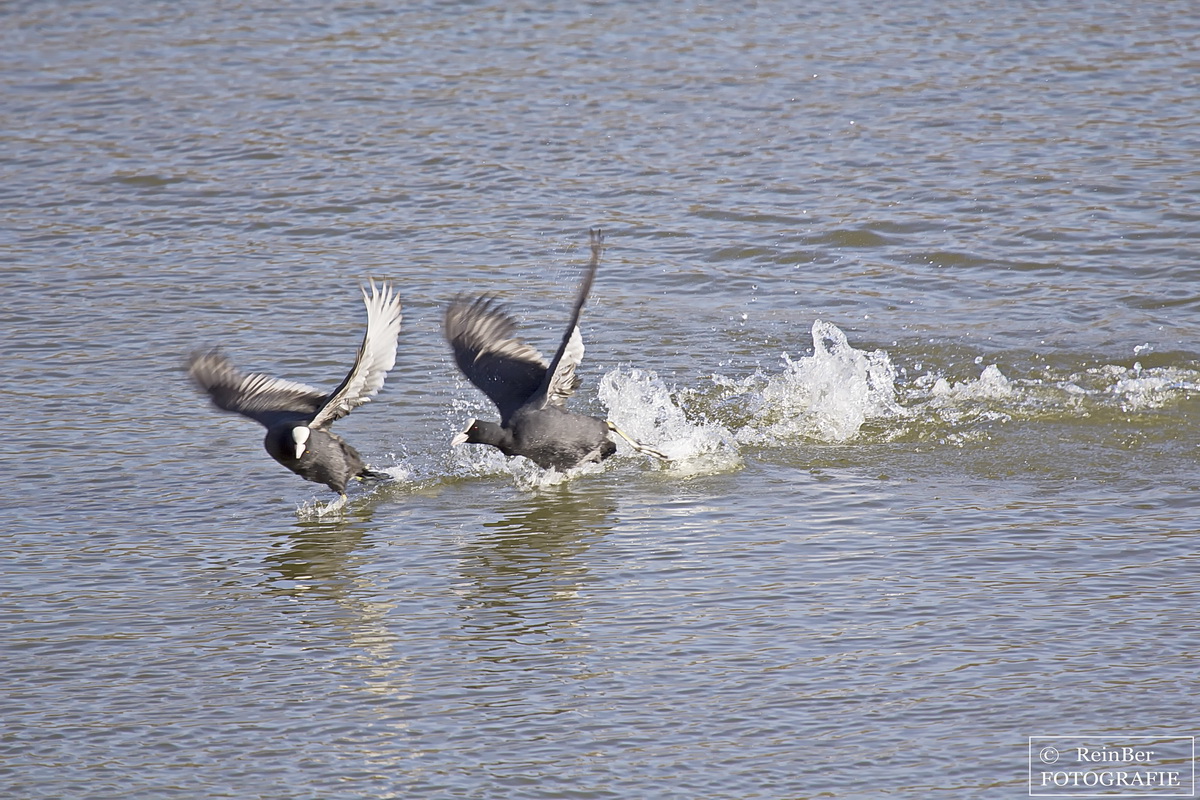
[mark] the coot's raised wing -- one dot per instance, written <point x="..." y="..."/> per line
<point x="487" y="351"/>
<point x="559" y="380"/>
<point x="376" y="356"/>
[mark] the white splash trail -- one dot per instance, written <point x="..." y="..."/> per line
<point x="639" y="403"/>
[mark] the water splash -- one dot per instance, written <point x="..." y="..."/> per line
<point x="958" y="412"/>
<point x="401" y="476"/>
<point x="826" y="397"/>
<point x="1137" y="389"/>
<point x="838" y="394"/>
<point x="991" y="385"/>
<point x="1110" y="388"/>
<point x="315" y="509"/>
<point x="399" y="473"/>
<point x="640" y="404"/>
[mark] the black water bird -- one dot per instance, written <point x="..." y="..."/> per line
<point x="297" y="417"/>
<point x="530" y="393"/>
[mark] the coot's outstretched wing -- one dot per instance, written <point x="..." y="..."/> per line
<point x="376" y="355"/>
<point x="262" y="398"/>
<point x="559" y="380"/>
<point x="487" y="351"/>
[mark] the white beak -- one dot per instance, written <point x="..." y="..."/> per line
<point x="300" y="437"/>
<point x="461" y="438"/>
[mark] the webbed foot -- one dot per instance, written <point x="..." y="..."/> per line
<point x="636" y="445"/>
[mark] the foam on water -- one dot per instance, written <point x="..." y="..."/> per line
<point x="1108" y="388"/>
<point x="481" y="461"/>
<point x="641" y="405"/>
<point x="1137" y="389"/>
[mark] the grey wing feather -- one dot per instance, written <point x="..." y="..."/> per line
<point x="376" y="356"/>
<point x="564" y="381"/>
<point x="483" y="337"/>
<point x="560" y="378"/>
<point x="260" y="397"/>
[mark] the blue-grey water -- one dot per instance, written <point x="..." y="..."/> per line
<point x="910" y="293"/>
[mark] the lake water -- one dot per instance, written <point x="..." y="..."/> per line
<point x="910" y="293"/>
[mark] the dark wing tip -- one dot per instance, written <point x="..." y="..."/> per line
<point x="465" y="313"/>
<point x="557" y="387"/>
<point x="260" y="397"/>
<point x="202" y="366"/>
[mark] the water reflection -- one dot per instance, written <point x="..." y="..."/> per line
<point x="319" y="556"/>
<point x="330" y="560"/>
<point x="520" y="580"/>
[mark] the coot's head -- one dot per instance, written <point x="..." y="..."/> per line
<point x="479" y="431"/>
<point x="287" y="444"/>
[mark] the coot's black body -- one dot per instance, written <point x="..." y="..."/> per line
<point x="549" y="437"/>
<point x="297" y="417"/>
<point x="326" y="457"/>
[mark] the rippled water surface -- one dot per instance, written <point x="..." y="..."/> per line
<point x="908" y="294"/>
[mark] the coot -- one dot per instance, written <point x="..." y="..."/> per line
<point x="530" y="394"/>
<point x="297" y="417"/>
